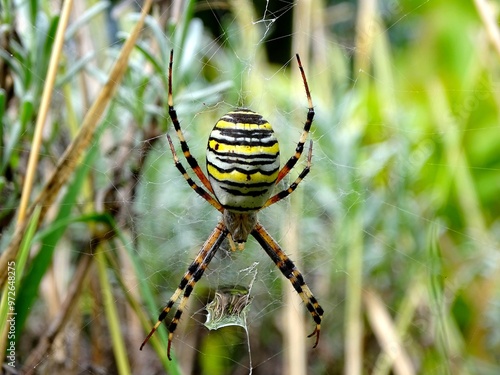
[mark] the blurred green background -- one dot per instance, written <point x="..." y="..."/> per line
<point x="396" y="229"/>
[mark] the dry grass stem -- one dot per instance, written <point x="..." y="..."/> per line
<point x="385" y="330"/>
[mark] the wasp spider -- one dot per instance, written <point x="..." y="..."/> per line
<point x="243" y="168"/>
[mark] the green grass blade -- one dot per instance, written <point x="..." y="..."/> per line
<point x="112" y="317"/>
<point x="15" y="272"/>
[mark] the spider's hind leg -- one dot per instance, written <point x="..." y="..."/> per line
<point x="192" y="275"/>
<point x="291" y="272"/>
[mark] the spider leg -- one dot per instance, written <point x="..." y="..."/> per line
<point x="192" y="275"/>
<point x="285" y="193"/>
<point x="198" y="189"/>
<point x="307" y="126"/>
<point x="184" y="146"/>
<point x="291" y="272"/>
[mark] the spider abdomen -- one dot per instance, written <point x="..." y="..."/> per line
<point x="242" y="160"/>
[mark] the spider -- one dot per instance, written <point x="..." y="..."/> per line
<point x="243" y="167"/>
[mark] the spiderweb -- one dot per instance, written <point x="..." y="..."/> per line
<point x="365" y="189"/>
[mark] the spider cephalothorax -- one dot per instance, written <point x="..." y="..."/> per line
<point x="243" y="169"/>
<point x="239" y="225"/>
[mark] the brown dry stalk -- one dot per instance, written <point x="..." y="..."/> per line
<point x="386" y="332"/>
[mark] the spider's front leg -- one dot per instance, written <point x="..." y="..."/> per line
<point x="193" y="274"/>
<point x="175" y="121"/>
<point x="291" y="272"/>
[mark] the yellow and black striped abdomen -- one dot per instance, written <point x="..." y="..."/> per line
<point x="242" y="160"/>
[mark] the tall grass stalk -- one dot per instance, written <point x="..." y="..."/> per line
<point x="353" y="245"/>
<point x="112" y="317"/>
<point x="43" y="110"/>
